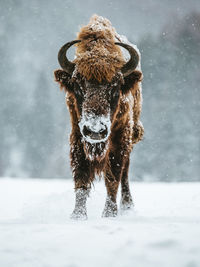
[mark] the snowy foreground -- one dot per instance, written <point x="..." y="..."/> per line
<point x="35" y="229"/>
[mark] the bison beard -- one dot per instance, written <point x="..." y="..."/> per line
<point x="104" y="100"/>
<point x="96" y="151"/>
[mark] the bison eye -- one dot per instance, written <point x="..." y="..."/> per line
<point x="77" y="91"/>
<point x="115" y="93"/>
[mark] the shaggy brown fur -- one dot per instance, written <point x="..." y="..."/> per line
<point x="97" y="55"/>
<point x="97" y="87"/>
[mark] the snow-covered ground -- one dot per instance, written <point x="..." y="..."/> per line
<point x="35" y="229"/>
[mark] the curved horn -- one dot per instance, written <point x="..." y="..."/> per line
<point x="130" y="66"/>
<point x="67" y="65"/>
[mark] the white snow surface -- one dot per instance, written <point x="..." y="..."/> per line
<point x="35" y="228"/>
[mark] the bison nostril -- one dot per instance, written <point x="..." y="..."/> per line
<point x="103" y="132"/>
<point x="99" y="135"/>
<point x="86" y="131"/>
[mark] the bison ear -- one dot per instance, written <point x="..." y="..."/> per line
<point x="63" y="78"/>
<point x="130" y="80"/>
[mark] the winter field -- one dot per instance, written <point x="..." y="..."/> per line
<point x="35" y="229"/>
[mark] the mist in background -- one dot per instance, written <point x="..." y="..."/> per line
<point x="34" y="120"/>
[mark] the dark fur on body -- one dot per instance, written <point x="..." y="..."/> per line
<point x="99" y="96"/>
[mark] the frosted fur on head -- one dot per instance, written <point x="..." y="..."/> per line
<point x="99" y="23"/>
<point x="97" y="56"/>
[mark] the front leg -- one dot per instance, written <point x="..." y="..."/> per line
<point x="118" y="158"/>
<point x="126" y="198"/>
<point x="83" y="176"/>
<point x="80" y="210"/>
<point x="112" y="178"/>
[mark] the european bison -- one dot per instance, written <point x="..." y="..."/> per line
<point x="103" y="94"/>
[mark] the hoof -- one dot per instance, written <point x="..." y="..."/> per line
<point x="109" y="213"/>
<point x="79" y="214"/>
<point x="126" y="203"/>
<point x="110" y="209"/>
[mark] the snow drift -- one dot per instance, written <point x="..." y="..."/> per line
<point x="35" y="229"/>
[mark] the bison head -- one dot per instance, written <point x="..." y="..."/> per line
<point x="97" y="102"/>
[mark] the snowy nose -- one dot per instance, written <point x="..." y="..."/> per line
<point x="95" y="129"/>
<point x="99" y="133"/>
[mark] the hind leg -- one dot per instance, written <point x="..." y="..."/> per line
<point x="126" y="198"/>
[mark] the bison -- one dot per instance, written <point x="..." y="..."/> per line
<point x="103" y="95"/>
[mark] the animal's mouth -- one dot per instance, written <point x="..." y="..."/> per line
<point x="95" y="136"/>
<point x="96" y="151"/>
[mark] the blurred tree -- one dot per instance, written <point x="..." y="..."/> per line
<point x="172" y="101"/>
<point x="38" y="129"/>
